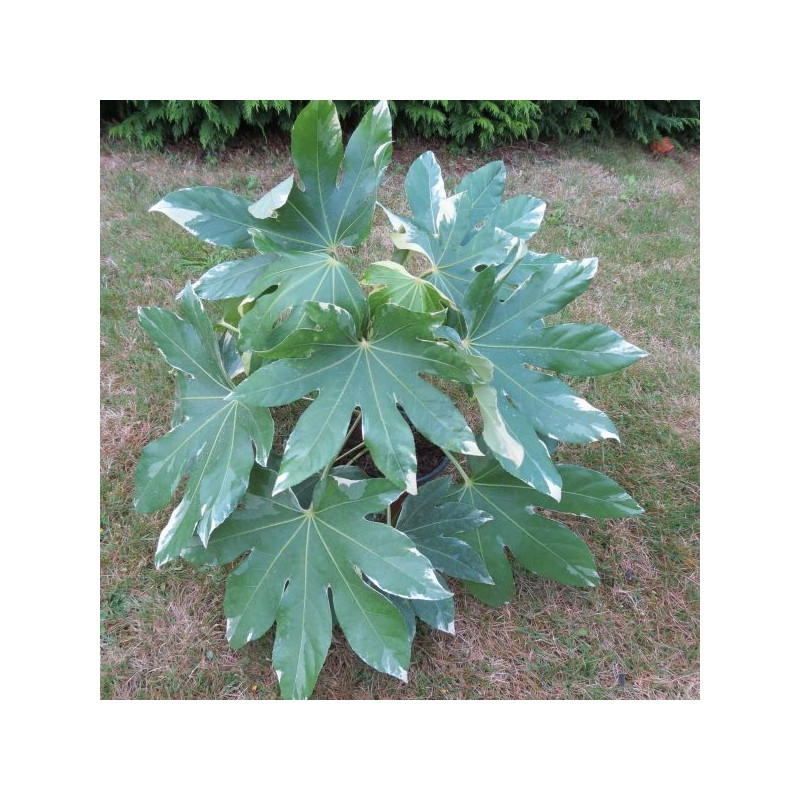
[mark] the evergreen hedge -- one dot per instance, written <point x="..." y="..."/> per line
<point x="480" y="124"/>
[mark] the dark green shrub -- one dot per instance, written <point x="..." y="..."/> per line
<point x="155" y="123"/>
<point x="483" y="124"/>
<point x="647" y="120"/>
<point x="566" y="119"/>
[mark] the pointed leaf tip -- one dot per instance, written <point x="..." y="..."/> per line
<point x="273" y="200"/>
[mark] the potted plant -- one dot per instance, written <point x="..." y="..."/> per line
<point x="316" y="538"/>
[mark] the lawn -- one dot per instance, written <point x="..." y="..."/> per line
<point x="636" y="636"/>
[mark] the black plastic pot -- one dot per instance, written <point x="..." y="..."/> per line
<point x="433" y="473"/>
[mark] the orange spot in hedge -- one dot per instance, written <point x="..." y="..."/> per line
<point x="662" y="146"/>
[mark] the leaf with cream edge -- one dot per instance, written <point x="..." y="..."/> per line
<point x="521" y="401"/>
<point x="329" y="211"/>
<point x="472" y="228"/>
<point x="433" y="520"/>
<point x="297" y="556"/>
<point x="216" y="216"/>
<point x="395" y="284"/>
<point x="336" y="204"/>
<point x="322" y="215"/>
<point x="539" y="544"/>
<point x="214" y="440"/>
<point x="377" y="374"/>
<point x="293" y="279"/>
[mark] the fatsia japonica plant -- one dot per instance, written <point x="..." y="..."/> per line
<point x="315" y="539"/>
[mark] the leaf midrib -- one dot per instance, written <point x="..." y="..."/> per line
<point x="226" y="386"/>
<point x="530" y="307"/>
<point x="386" y="646"/>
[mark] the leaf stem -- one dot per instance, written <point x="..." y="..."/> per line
<point x="229" y="327"/>
<point x="348" y="435"/>
<point x="353" y="426"/>
<point x="457" y="465"/>
<point x="356" y="456"/>
<point x="326" y="470"/>
<point x="359" y="446"/>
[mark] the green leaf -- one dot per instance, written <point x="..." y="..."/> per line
<point x="470" y="229"/>
<point x="377" y="374"/>
<point x="580" y="350"/>
<point x="514" y="441"/>
<point x="520" y="216"/>
<point x="439" y="614"/>
<point x="231" y="360"/>
<point x="545" y="264"/>
<point x="520" y="401"/>
<point x="233" y="278"/>
<point x="425" y="191"/>
<point x="283" y="281"/>
<point x="549" y="285"/>
<point x="435" y="522"/>
<point x="406" y="609"/>
<point x="300" y="555"/>
<point x="588" y="493"/>
<point x="400" y="287"/>
<point x="214" y="215"/>
<point x="484" y="191"/>
<point x="325" y="214"/>
<point x="215" y="436"/>
<point x="539" y="544"/>
<point x="294" y="278"/>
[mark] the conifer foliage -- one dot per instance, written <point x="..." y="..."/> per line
<point x="481" y="124"/>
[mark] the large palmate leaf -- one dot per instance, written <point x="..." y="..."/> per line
<point x="330" y="209"/>
<point x="299" y="556"/>
<point x="434" y="523"/>
<point x="538" y="543"/>
<point x="334" y="206"/>
<point x="521" y="401"/>
<point x="215" y="433"/>
<point x="377" y="374"/>
<point x="336" y="203"/>
<point x="469" y="229"/>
